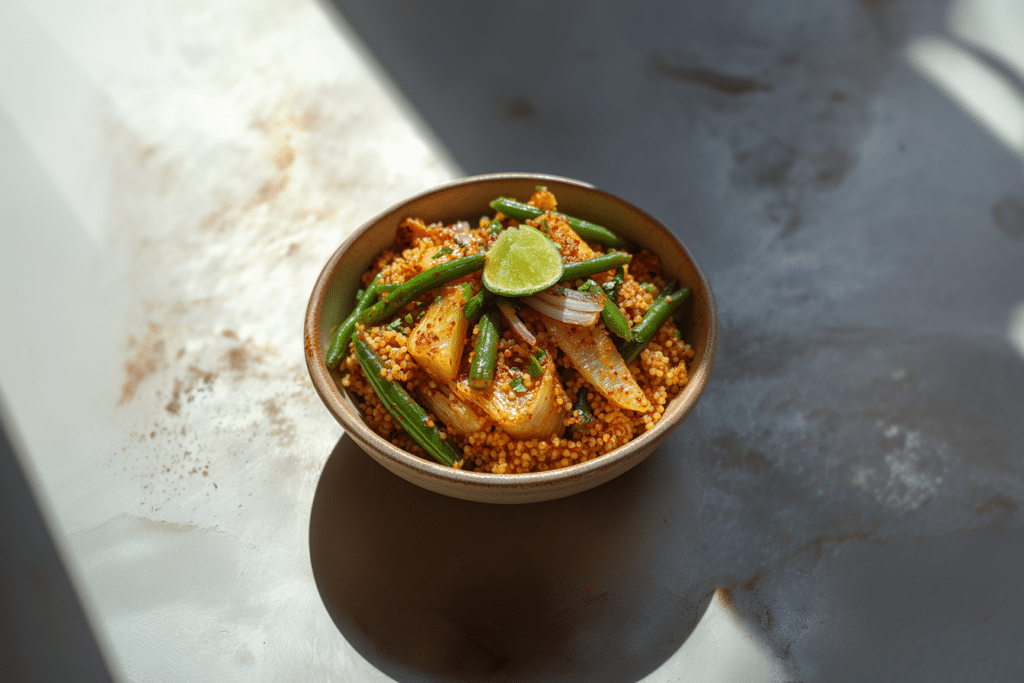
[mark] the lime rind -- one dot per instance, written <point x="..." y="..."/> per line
<point x="523" y="261"/>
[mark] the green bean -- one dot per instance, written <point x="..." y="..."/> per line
<point x="379" y="288"/>
<point x="485" y="350"/>
<point x="343" y="335"/>
<point x="667" y="303"/>
<point x="598" y="264"/>
<point x="410" y="415"/>
<point x="612" y="317"/>
<point x="424" y="282"/>
<point x="585" y="229"/>
<point x="475" y="306"/>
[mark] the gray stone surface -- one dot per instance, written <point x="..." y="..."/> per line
<point x="844" y="504"/>
<point x="853" y="474"/>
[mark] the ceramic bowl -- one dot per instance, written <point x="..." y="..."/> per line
<point x="333" y="298"/>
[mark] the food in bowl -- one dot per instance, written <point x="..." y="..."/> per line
<point x="530" y="341"/>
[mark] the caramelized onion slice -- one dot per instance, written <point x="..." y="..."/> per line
<point x="521" y="330"/>
<point x="437" y="341"/>
<point x="567" y="305"/>
<point x="593" y="353"/>
<point x="535" y="413"/>
<point x="455" y="413"/>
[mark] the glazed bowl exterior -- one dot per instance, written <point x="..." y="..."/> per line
<point x="333" y="298"/>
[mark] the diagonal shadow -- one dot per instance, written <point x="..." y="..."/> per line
<point x="723" y="126"/>
<point x="428" y="588"/>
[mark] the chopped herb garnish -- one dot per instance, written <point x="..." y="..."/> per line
<point x="540" y="187"/>
<point x="408" y="318"/>
<point x="359" y="294"/>
<point x="647" y="287"/>
<point x="539" y="354"/>
<point x="516" y="384"/>
<point x="581" y="413"/>
<point x="396" y="325"/>
<point x="441" y="253"/>
<point x="534" y="368"/>
<point x="687" y="347"/>
<point x="679" y="335"/>
<point x="467" y="292"/>
<point x="437" y="299"/>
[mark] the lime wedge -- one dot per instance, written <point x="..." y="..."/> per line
<point x="521" y="262"/>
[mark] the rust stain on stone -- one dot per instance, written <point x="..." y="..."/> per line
<point x="203" y="375"/>
<point x="174" y="405"/>
<point x="215" y="220"/>
<point x="727" y="596"/>
<point x="146" y="152"/>
<point x="195" y="378"/>
<point x="284" y="157"/>
<point x="147" y="360"/>
<point x="240" y="358"/>
<point x="752" y="584"/>
<point x="270" y="189"/>
<point x="279" y="424"/>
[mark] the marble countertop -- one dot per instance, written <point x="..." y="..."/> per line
<point x="842" y="505"/>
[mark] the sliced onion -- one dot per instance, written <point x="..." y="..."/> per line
<point x="455" y="413"/>
<point x="593" y="353"/>
<point x="538" y="413"/>
<point x="567" y="305"/>
<point x="580" y="301"/>
<point x="517" y="325"/>
<point x="562" y="314"/>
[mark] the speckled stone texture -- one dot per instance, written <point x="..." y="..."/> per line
<point x="844" y="504"/>
<point x="854" y="471"/>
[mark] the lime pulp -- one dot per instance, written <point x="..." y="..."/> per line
<point x="521" y="262"/>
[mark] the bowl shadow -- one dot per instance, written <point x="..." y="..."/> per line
<point x="429" y="588"/>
